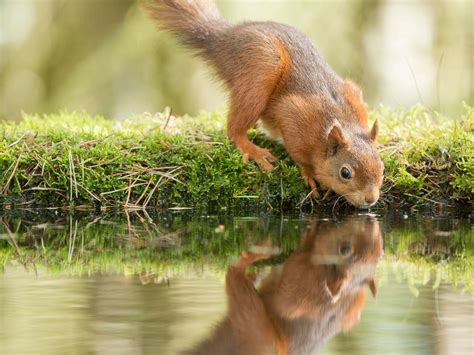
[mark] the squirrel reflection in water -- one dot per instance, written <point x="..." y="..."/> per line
<point x="317" y="292"/>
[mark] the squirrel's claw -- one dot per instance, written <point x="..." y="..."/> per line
<point x="258" y="252"/>
<point x="309" y="181"/>
<point x="261" y="156"/>
<point x="269" y="156"/>
<point x="245" y="158"/>
<point x="264" y="164"/>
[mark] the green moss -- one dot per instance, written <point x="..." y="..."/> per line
<point x="171" y="244"/>
<point x="428" y="155"/>
<point x="74" y="159"/>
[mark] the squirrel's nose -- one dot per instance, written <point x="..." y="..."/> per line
<point x="371" y="198"/>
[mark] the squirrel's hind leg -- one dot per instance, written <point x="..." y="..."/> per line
<point x="252" y="84"/>
<point x="245" y="109"/>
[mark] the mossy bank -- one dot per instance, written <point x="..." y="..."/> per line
<point x="76" y="160"/>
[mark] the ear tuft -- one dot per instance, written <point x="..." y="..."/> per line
<point x="373" y="287"/>
<point x="336" y="138"/>
<point x="335" y="284"/>
<point x="374" y="131"/>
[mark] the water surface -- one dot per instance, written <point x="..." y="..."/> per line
<point x="142" y="283"/>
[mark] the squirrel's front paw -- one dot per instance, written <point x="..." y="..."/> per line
<point x="311" y="183"/>
<point x="258" y="252"/>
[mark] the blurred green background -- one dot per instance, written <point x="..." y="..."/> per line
<point x="105" y="57"/>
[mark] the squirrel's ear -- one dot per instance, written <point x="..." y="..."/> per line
<point x="336" y="138"/>
<point x="373" y="287"/>
<point x="374" y="131"/>
<point x="335" y="283"/>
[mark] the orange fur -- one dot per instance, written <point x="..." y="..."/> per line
<point x="354" y="97"/>
<point x="317" y="290"/>
<point x="274" y="73"/>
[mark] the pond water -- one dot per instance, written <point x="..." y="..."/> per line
<point x="155" y="283"/>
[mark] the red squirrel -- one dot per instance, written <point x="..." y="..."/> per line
<point x="274" y="73"/>
<point x="317" y="292"/>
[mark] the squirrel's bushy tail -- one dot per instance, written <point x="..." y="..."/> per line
<point x="196" y="23"/>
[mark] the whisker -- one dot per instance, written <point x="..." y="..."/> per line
<point x="337" y="200"/>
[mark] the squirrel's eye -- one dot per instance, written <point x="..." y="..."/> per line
<point x="345" y="248"/>
<point x="345" y="173"/>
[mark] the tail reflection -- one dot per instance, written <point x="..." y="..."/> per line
<point x="317" y="292"/>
